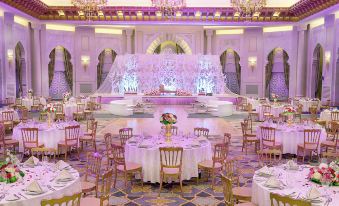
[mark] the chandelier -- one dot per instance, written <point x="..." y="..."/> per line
<point x="90" y="8"/>
<point x="247" y="8"/>
<point x="169" y="7"/>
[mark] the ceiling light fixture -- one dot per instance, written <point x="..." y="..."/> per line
<point x="247" y="8"/>
<point x="90" y="8"/>
<point x="169" y="7"/>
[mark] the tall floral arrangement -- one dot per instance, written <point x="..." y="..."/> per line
<point x="168" y="118"/>
<point x="274" y="97"/>
<point x="325" y="173"/>
<point x="49" y="108"/>
<point x="289" y="110"/>
<point x="66" y="96"/>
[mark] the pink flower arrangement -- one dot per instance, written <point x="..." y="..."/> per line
<point x="66" y="95"/>
<point x="325" y="173"/>
<point x="274" y="96"/>
<point x="49" y="108"/>
<point x="168" y="118"/>
<point x="289" y="110"/>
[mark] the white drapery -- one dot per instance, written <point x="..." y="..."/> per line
<point x="144" y="72"/>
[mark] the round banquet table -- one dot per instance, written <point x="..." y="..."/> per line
<point x="49" y="136"/>
<point x="69" y="109"/>
<point x="276" y="110"/>
<point x="28" y="103"/>
<point x="295" y="183"/>
<point x="15" y="113"/>
<point x="44" y="176"/>
<point x="291" y="136"/>
<point x="149" y="157"/>
<point x="307" y="104"/>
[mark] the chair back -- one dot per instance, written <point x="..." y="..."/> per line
<point x="36" y="101"/>
<point x="2" y="134"/>
<point x="200" y="131"/>
<point x="30" y="136"/>
<point x="39" y="152"/>
<point x="231" y="168"/>
<point x="24" y="114"/>
<point x="125" y="134"/>
<point x="313" y="111"/>
<point x="171" y="157"/>
<point x="299" y="108"/>
<point x="18" y="101"/>
<point x="80" y="107"/>
<point x="227" y="138"/>
<point x="311" y="137"/>
<point x="335" y="115"/>
<point x="7" y="115"/>
<point x="72" y="134"/>
<point x="269" y="157"/>
<point x="244" y="128"/>
<point x="106" y="186"/>
<point x="220" y="153"/>
<point x="59" y="108"/>
<point x="248" y="121"/>
<point x="93" y="165"/>
<point x="118" y="155"/>
<point x="268" y="135"/>
<point x="174" y="130"/>
<point x="93" y="129"/>
<point x="108" y="141"/>
<point x="277" y="199"/>
<point x="227" y="189"/>
<point x="73" y="200"/>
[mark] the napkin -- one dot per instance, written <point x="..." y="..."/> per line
<point x="60" y="165"/>
<point x="291" y="165"/>
<point x="64" y="176"/>
<point x="32" y="161"/>
<point x="265" y="171"/>
<point x="312" y="193"/>
<point x="34" y="187"/>
<point x="272" y="182"/>
<point x="12" y="197"/>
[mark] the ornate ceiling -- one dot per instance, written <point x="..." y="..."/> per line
<point x="196" y="10"/>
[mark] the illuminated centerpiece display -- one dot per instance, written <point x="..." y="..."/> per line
<point x="168" y="119"/>
<point x="50" y="110"/>
<point x="9" y="170"/>
<point x="325" y="174"/>
<point x="289" y="112"/>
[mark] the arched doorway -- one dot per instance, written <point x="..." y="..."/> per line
<point x="106" y="59"/>
<point x="20" y="70"/>
<point x="231" y="68"/>
<point x="277" y="74"/>
<point x="60" y="72"/>
<point x="169" y="47"/>
<point x="317" y="67"/>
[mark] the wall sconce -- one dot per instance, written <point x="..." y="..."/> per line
<point x="10" y="55"/>
<point x="327" y="59"/>
<point x="85" y="61"/>
<point x="252" y="62"/>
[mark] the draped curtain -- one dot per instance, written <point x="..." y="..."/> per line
<point x="237" y="67"/>
<point x="51" y="67"/>
<point x="223" y="61"/>
<point x="268" y="71"/>
<point x="286" y="70"/>
<point x="18" y="67"/>
<point x="68" y="69"/>
<point x="319" y="71"/>
<point x="158" y="49"/>
<point x="100" y="66"/>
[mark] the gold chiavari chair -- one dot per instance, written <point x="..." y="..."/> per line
<point x="39" y="152"/>
<point x="120" y="165"/>
<point x="251" y="113"/>
<point x="299" y="111"/>
<point x="24" y="114"/>
<point x="7" y="143"/>
<point x="266" y="112"/>
<point x="79" y="114"/>
<point x="241" y="103"/>
<point x="200" y="131"/>
<point x="330" y="156"/>
<point x="90" y="137"/>
<point x="277" y="199"/>
<point x="88" y="112"/>
<point x="311" y="143"/>
<point x="331" y="143"/>
<point x="30" y="139"/>
<point x="109" y="153"/>
<point x="326" y="105"/>
<point x="73" y="200"/>
<point x="7" y="119"/>
<point x="228" y="193"/>
<point x="249" y="123"/>
<point x="269" y="157"/>
<point x="170" y="164"/>
<point x="332" y="130"/>
<point x="125" y="134"/>
<point x="59" y="113"/>
<point x="313" y="111"/>
<point x="36" y="104"/>
<point x="335" y="116"/>
<point x="105" y="192"/>
<point x="98" y="102"/>
<point x="93" y="166"/>
<point x="227" y="138"/>
<point x="268" y="138"/>
<point x="248" y="138"/>
<point x="215" y="165"/>
<point x="174" y="130"/>
<point x="71" y="140"/>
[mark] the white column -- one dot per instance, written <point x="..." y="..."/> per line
<point x="301" y="63"/>
<point x="209" y="34"/>
<point x="36" y="60"/>
<point x="129" y="33"/>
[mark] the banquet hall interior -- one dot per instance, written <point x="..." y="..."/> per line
<point x="169" y="102"/>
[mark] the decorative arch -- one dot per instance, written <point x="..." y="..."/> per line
<point x="20" y="70"/>
<point x="232" y="74"/>
<point x="317" y="67"/>
<point x="106" y="59"/>
<point x="277" y="82"/>
<point x="174" y="38"/>
<point x="60" y="72"/>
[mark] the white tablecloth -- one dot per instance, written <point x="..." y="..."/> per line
<point x="149" y="158"/>
<point x="275" y="110"/>
<point x="69" y="109"/>
<point x="28" y="103"/>
<point x="44" y="175"/>
<point x="290" y="137"/>
<point x="296" y="182"/>
<point x="47" y="136"/>
<point x="306" y="104"/>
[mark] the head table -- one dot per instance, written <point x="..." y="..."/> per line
<point x="145" y="151"/>
<point x="291" y="136"/>
<point x="48" y="135"/>
<point x="294" y="183"/>
<point x="45" y="174"/>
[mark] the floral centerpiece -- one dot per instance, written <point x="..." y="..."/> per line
<point x="274" y="97"/>
<point x="289" y="111"/>
<point x="30" y="93"/>
<point x="66" y="96"/>
<point x="9" y="171"/>
<point x="50" y="109"/>
<point x="324" y="173"/>
<point x="168" y="119"/>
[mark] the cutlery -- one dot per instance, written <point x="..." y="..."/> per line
<point x="329" y="200"/>
<point x="22" y="196"/>
<point x="15" y="195"/>
<point x="2" y="196"/>
<point x="51" y="188"/>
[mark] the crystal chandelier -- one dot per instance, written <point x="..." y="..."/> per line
<point x="247" y="8"/>
<point x="169" y="7"/>
<point x="89" y="8"/>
